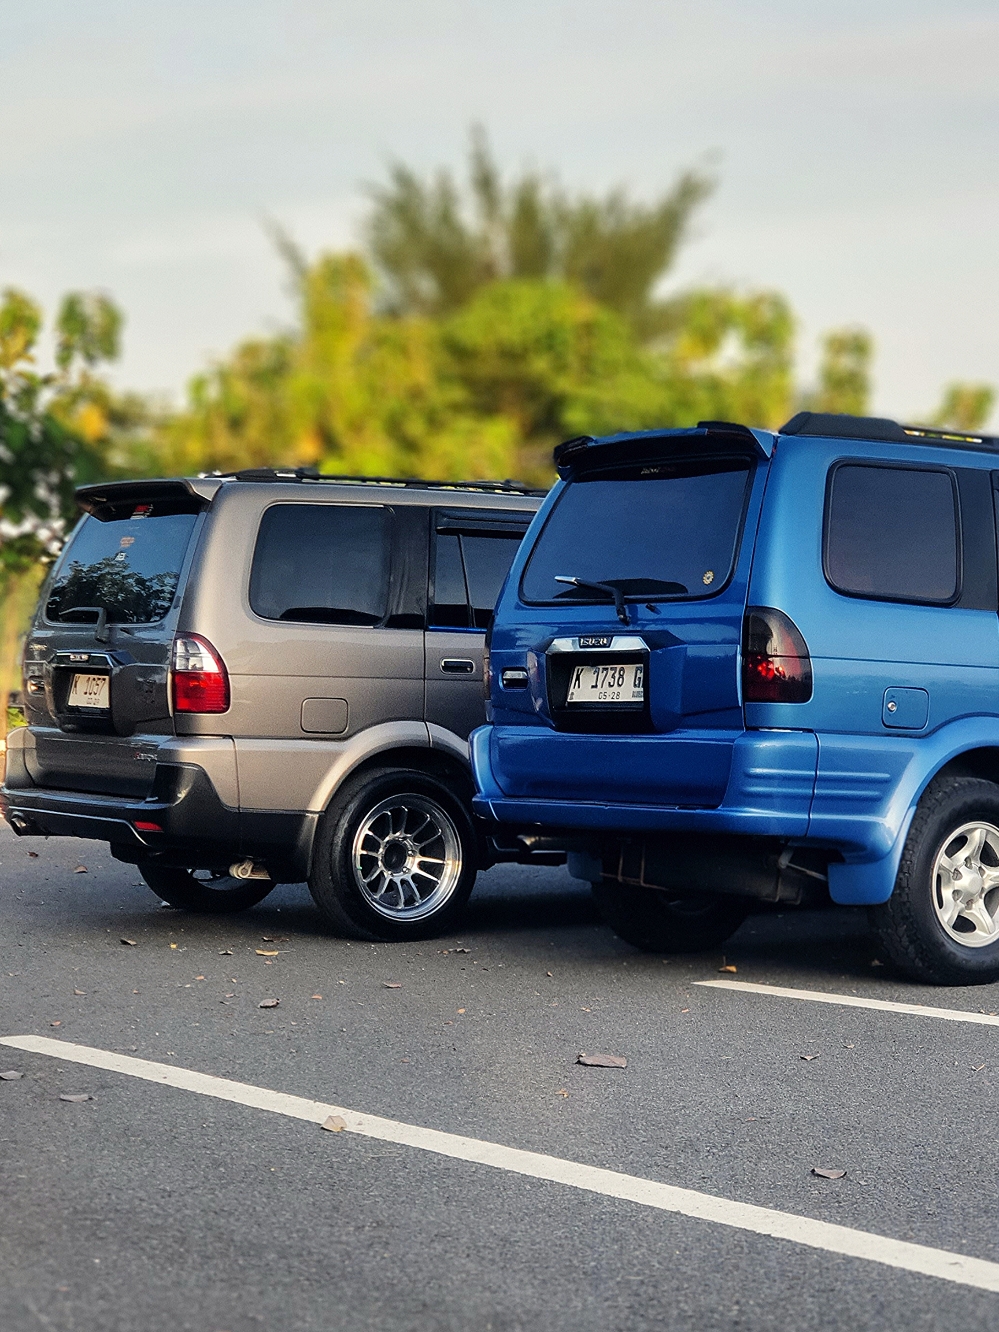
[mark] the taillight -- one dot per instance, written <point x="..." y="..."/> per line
<point x="200" y="679"/>
<point x="776" y="667"/>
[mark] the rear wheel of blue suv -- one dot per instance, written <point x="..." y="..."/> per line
<point x="736" y="666"/>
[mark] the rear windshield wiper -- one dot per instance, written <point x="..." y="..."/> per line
<point x="615" y="593"/>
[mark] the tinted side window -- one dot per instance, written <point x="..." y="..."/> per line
<point x="469" y="570"/>
<point x="324" y="563"/>
<point x="487" y="563"/>
<point x="891" y="533"/>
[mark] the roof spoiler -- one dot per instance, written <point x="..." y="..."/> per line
<point x="108" y="499"/>
<point x="707" y="437"/>
<point x="840" y="425"/>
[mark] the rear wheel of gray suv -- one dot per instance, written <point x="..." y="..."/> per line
<point x="395" y="857"/>
<point x="658" y="921"/>
<point x="941" y="923"/>
<point x="204" y="891"/>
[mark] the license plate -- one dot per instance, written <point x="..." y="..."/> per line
<point x="606" y="683"/>
<point x="90" y="691"/>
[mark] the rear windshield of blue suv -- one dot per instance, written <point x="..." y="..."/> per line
<point x="654" y="531"/>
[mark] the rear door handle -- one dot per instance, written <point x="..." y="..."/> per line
<point x="457" y="666"/>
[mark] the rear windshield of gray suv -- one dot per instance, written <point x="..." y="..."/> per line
<point x="130" y="566"/>
<point x="667" y="530"/>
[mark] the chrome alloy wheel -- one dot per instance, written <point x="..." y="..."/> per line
<point x="406" y="857"/>
<point x="966" y="885"/>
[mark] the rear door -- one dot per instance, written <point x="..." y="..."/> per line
<point x="97" y="659"/>
<point x="649" y="688"/>
<point x="471" y="556"/>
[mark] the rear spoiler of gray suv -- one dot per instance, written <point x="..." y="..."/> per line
<point x="106" y="499"/>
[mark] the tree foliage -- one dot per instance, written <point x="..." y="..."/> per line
<point x="435" y="247"/>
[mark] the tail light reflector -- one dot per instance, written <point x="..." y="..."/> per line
<point x="776" y="667"/>
<point x="200" y="679"/>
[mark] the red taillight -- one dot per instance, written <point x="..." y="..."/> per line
<point x="200" y="679"/>
<point x="776" y="667"/>
<point x="140" y="825"/>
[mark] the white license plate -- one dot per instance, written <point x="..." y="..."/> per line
<point x="90" y="691"/>
<point x="607" y="684"/>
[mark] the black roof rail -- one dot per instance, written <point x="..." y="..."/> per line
<point x="840" y="425"/>
<point x="409" y="482"/>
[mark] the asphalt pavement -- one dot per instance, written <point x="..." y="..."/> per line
<point x="152" y="1208"/>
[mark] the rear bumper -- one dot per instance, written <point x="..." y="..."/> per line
<point x="193" y="825"/>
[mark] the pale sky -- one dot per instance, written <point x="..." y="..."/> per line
<point x="142" y="145"/>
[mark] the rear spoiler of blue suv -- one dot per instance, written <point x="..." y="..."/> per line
<point x="707" y="437"/>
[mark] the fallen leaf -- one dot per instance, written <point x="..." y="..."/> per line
<point x="173" y="945"/>
<point x="263" y="952"/>
<point x="877" y="963"/>
<point x="684" y="1010"/>
<point x="561" y="1092"/>
<point x="11" y="1075"/>
<point x="729" y="967"/>
<point x="83" y="1096"/>
<point x="199" y="978"/>
<point x="392" y="985"/>
<point x="317" y="996"/>
<point x="131" y="942"/>
<point x="462" y="950"/>
<point x="334" y="1124"/>
<point x="808" y="1058"/>
<point x="824" y="1172"/>
<point x="977" y="1068"/>
<point x="33" y="855"/>
<point x="79" y="992"/>
<point x="602" y="1061"/>
<point x="80" y="869"/>
<point x="55" y="1024"/>
<point x="849" y="1047"/>
<point x="225" y="952"/>
<point x="272" y="938"/>
<point x="268" y="1003"/>
<point x="459" y="1010"/>
<point x="548" y="973"/>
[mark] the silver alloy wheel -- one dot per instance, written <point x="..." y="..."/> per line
<point x="966" y="885"/>
<point x="406" y="857"/>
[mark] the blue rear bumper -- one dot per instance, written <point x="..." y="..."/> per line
<point x="855" y="794"/>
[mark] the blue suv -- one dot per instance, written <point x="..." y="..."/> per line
<point x="733" y="665"/>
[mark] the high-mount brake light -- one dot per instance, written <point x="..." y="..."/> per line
<point x="776" y="667"/>
<point x="200" y="679"/>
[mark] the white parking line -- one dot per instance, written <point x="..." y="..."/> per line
<point x="855" y="1001"/>
<point x="804" y="1230"/>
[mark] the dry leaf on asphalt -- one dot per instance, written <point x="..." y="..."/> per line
<point x="548" y="973"/>
<point x="131" y="942"/>
<point x="392" y="985"/>
<point x="80" y="869"/>
<point x="33" y="855"/>
<point x="317" y="996"/>
<point x="808" y="1058"/>
<point x="55" y="1024"/>
<point x="561" y="1092"/>
<point x="729" y="967"/>
<point x="272" y="938"/>
<point x="334" y="1123"/>
<point x="79" y="992"/>
<point x="268" y="1003"/>
<point x="263" y="952"/>
<point x="462" y="950"/>
<point x="824" y="1172"/>
<point x="602" y="1061"/>
<point x="225" y="952"/>
<point x="83" y="1096"/>
<point x="11" y="1075"/>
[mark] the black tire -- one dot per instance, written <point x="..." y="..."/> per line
<point x="910" y="923"/>
<point x="210" y="894"/>
<point x="367" y="873"/>
<point x="660" y="922"/>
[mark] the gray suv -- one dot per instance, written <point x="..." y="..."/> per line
<point x="271" y="676"/>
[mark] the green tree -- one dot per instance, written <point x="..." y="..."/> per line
<point x="844" y="372"/>
<point x="434" y="246"/>
<point x="965" y="407"/>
